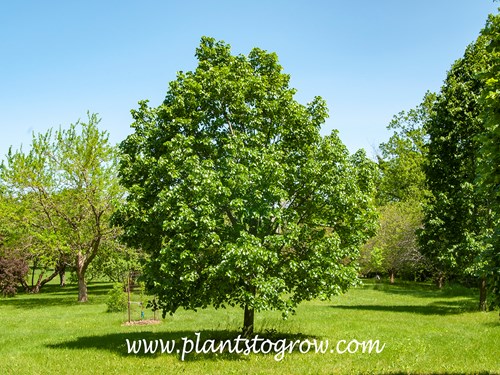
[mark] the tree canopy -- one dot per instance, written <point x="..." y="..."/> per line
<point x="65" y="187"/>
<point x="236" y="196"/>
<point x="489" y="152"/>
<point x="403" y="155"/>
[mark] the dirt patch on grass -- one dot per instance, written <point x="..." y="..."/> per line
<point x="143" y="322"/>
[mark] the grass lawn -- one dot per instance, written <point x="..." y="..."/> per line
<point x="424" y="331"/>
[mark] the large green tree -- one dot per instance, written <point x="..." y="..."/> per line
<point x="67" y="187"/>
<point x="457" y="218"/>
<point x="236" y="196"/>
<point x="489" y="141"/>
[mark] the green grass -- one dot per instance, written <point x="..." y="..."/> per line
<point x="424" y="331"/>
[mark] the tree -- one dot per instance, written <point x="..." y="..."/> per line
<point x="32" y="235"/>
<point x="394" y="249"/>
<point x="489" y="152"/>
<point x="403" y="155"/>
<point x="457" y="218"/>
<point x="235" y="195"/>
<point x="401" y="194"/>
<point x="68" y="186"/>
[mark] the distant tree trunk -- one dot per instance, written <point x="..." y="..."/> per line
<point x="82" y="263"/>
<point x="80" y="273"/>
<point x="47" y="279"/>
<point x="439" y="280"/>
<point x="392" y="277"/>
<point x="35" y="288"/>
<point x="61" y="270"/>
<point x="482" y="294"/>
<point x="33" y="274"/>
<point x="62" y="277"/>
<point x="82" y="289"/>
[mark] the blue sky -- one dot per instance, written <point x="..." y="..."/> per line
<point x="368" y="59"/>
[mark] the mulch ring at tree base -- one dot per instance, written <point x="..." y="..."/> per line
<point x="141" y="322"/>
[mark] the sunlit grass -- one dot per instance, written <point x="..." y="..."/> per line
<point x="424" y="331"/>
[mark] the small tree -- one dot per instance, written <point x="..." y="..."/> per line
<point x="117" y="299"/>
<point x="68" y="184"/>
<point x="236" y="196"/>
<point x="13" y="269"/>
<point x="395" y="244"/>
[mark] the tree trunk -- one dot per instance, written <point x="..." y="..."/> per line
<point x="249" y="315"/>
<point x="35" y="288"/>
<point x="47" y="279"/>
<point x="80" y="273"/>
<point x="35" y="264"/>
<point x="62" y="278"/>
<point x="41" y="281"/>
<point x="392" y="277"/>
<point x="82" y="263"/>
<point x="482" y="294"/>
<point x="82" y="289"/>
<point x="439" y="280"/>
<point x="248" y="321"/>
<point x="61" y="270"/>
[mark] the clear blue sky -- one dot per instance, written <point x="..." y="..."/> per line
<point x="368" y="59"/>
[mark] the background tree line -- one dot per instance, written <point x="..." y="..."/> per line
<point x="439" y="185"/>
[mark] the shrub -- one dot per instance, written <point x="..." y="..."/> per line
<point x="13" y="268"/>
<point x="117" y="299"/>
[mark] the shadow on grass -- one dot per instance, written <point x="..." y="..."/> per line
<point x="39" y="300"/>
<point x="443" y="307"/>
<point x="423" y="290"/>
<point x="54" y="295"/>
<point x="495" y="324"/>
<point x="187" y="345"/>
<point x="93" y="289"/>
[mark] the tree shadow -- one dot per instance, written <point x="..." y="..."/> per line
<point x="38" y="300"/>
<point x="99" y="289"/>
<point x="93" y="289"/>
<point x="443" y="307"/>
<point x="495" y="324"/>
<point x="185" y="345"/>
<point x="423" y="290"/>
<point x="54" y="295"/>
